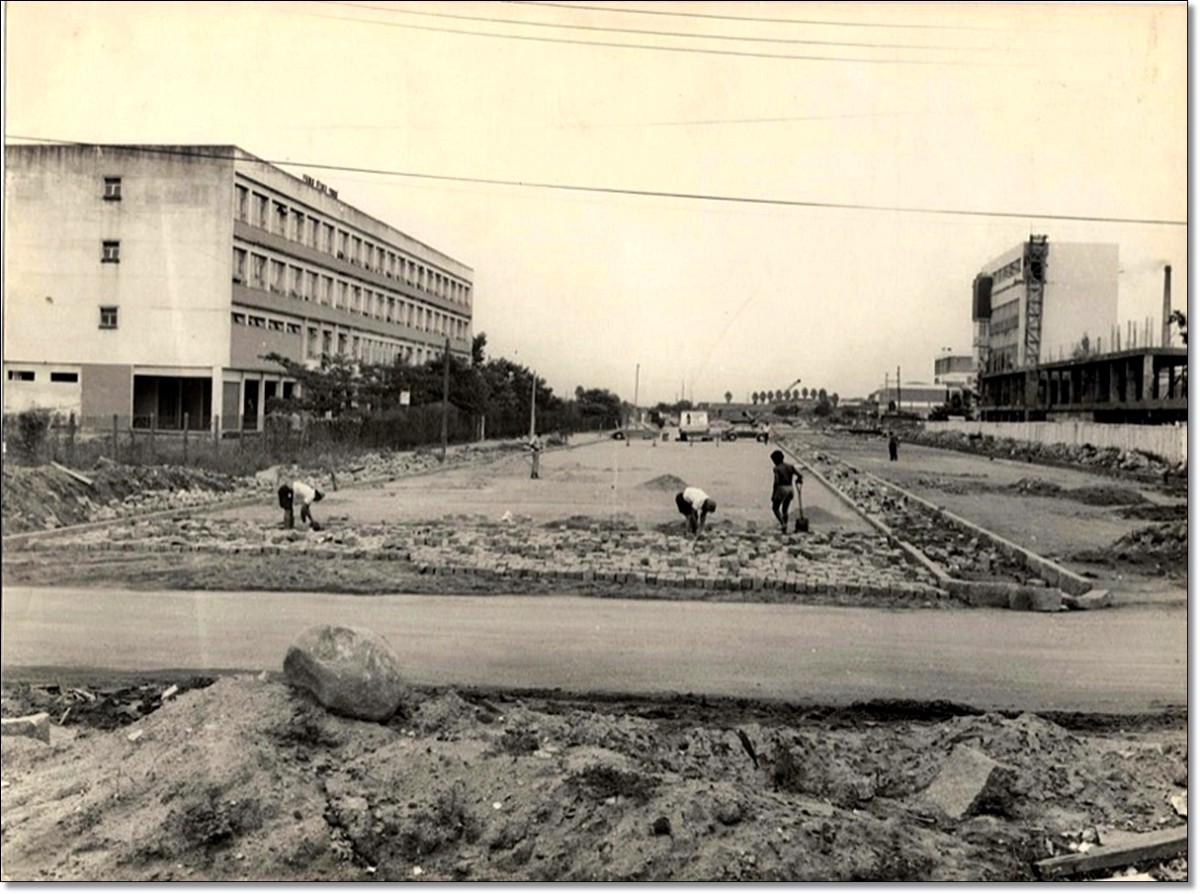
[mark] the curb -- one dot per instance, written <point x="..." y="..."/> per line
<point x="1066" y="590"/>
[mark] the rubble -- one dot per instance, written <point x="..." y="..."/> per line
<point x="251" y="780"/>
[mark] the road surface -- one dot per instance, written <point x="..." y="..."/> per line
<point x="1104" y="661"/>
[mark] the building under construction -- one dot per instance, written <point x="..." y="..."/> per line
<point x="1047" y="344"/>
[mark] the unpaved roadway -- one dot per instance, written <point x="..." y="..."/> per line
<point x="1107" y="662"/>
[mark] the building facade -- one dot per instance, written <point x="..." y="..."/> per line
<point x="150" y="283"/>
<point x="954" y="369"/>
<point x="1036" y="301"/>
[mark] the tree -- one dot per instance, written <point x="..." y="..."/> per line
<point x="728" y="397"/>
<point x="1179" y="319"/>
<point x="771" y="396"/>
<point x="478" y="354"/>
<point x="822" y="396"/>
<point x="833" y="398"/>
<point x="754" y="398"/>
<point x="804" y="392"/>
<point x="795" y="394"/>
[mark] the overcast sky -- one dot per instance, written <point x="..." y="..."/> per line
<point x="1074" y="110"/>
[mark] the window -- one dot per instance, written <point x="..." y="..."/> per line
<point x="275" y="325"/>
<point x="258" y="322"/>
<point x="112" y="189"/>
<point x="108" y="318"/>
<point x="239" y="319"/>
<point x="258" y="271"/>
<point x="326" y="341"/>
<point x="239" y="265"/>
<point x="298" y="226"/>
<point x="110" y="252"/>
<point x="260" y="210"/>
<point x="64" y="377"/>
<point x="21" y="375"/>
<point x="243" y="203"/>
<point x="281" y="219"/>
<point x="311" y="344"/>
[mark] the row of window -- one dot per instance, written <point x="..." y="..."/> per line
<point x="276" y="217"/>
<point x="330" y="342"/>
<point x="28" y="375"/>
<point x="261" y="271"/>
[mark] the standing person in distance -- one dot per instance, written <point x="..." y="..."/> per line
<point x="785" y="475"/>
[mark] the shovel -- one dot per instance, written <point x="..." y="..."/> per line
<point x="801" y="526"/>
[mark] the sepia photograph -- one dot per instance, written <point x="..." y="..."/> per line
<point x="619" y="441"/>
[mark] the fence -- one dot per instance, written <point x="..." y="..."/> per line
<point x="283" y="437"/>
<point x="1168" y="442"/>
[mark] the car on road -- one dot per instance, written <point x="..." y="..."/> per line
<point x="744" y="430"/>
<point x="634" y="434"/>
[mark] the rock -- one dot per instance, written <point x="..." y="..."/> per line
<point x="1179" y="803"/>
<point x="1036" y="599"/>
<point x="35" y="726"/>
<point x="1092" y="599"/>
<point x="349" y="670"/>
<point x="729" y="813"/>
<point x="968" y="779"/>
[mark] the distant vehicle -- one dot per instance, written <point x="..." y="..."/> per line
<point x="745" y="430"/>
<point x="633" y="434"/>
<point x="693" y="425"/>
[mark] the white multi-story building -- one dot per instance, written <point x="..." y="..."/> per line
<point x="150" y="282"/>
<point x="1036" y="301"/>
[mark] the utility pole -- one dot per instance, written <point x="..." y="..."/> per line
<point x="445" y="399"/>
<point x="897" y="389"/>
<point x="637" y="377"/>
<point x="533" y="409"/>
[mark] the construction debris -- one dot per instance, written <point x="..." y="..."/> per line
<point x="35" y="726"/>
<point x="1162" y="844"/>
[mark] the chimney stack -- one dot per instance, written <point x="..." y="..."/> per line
<point x="1166" y="312"/>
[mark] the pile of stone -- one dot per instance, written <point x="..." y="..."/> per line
<point x="1113" y="460"/>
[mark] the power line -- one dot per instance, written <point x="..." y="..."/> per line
<point x="640" y="193"/>
<point x="731" y="18"/>
<point x="647" y="31"/>
<point x="635" y="46"/>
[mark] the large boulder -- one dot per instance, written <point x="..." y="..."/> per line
<point x="349" y="670"/>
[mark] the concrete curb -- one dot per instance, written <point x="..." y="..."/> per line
<point x="1066" y="590"/>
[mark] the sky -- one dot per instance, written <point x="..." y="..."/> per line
<point x="808" y="125"/>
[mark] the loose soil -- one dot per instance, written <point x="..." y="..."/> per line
<point x="245" y="779"/>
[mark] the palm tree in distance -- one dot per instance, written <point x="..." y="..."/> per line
<point x="804" y="392"/>
<point x="754" y="398"/>
<point x="728" y="397"/>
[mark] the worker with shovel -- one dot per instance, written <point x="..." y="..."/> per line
<point x="785" y="476"/>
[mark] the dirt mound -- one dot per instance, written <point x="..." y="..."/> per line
<point x="1105" y="495"/>
<point x="664" y="482"/>
<point x="1036" y="487"/>
<point x="1162" y="546"/>
<point x="44" y="497"/>
<point x="248" y="780"/>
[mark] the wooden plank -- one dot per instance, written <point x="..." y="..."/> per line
<point x="80" y="478"/>
<point x="1159" y="845"/>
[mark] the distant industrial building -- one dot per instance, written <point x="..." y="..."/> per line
<point x="918" y="398"/>
<point x="954" y="369"/>
<point x="148" y="282"/>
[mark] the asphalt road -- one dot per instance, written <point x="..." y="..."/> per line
<point x="1105" y="661"/>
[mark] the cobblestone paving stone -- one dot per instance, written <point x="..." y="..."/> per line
<point x="725" y="557"/>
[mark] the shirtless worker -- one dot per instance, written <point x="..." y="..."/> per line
<point x="696" y="505"/>
<point x="299" y="494"/>
<point x="781" y="490"/>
